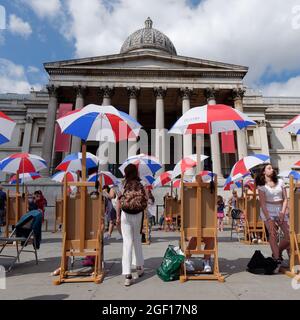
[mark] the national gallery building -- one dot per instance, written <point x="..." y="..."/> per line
<point x="153" y="83"/>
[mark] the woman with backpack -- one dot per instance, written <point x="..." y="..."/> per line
<point x="132" y="201"/>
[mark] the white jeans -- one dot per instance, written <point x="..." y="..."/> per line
<point x="132" y="242"/>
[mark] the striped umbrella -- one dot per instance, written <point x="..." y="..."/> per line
<point x="206" y="176"/>
<point x="162" y="179"/>
<point x="70" y="176"/>
<point x="185" y="164"/>
<point x="210" y="119"/>
<point x="24" y="177"/>
<point x="232" y="185"/>
<point x="242" y="167"/>
<point x="250" y="183"/>
<point x="99" y="123"/>
<point x="22" y="163"/>
<point x="107" y="178"/>
<point x="288" y="173"/>
<point x="147" y="165"/>
<point x="293" y="125"/>
<point x="7" y="126"/>
<point x="177" y="182"/>
<point x="73" y="162"/>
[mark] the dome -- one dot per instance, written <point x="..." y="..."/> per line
<point x="148" y="38"/>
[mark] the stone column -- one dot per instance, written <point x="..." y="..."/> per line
<point x="107" y="93"/>
<point x="133" y="93"/>
<point x="186" y="104"/>
<point x="262" y="124"/>
<point x="79" y="104"/>
<point x="238" y="95"/>
<point x="160" y="94"/>
<point x="210" y="94"/>
<point x="27" y="134"/>
<point x="50" y="127"/>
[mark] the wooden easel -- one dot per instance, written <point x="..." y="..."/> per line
<point x="172" y="211"/>
<point x="294" y="219"/>
<point x="146" y="228"/>
<point x="58" y="213"/>
<point x="253" y="222"/>
<point x="83" y="226"/>
<point x="16" y="207"/>
<point x="199" y="220"/>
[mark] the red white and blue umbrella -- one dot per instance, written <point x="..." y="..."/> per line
<point x="207" y="176"/>
<point x="7" y="126"/>
<point x="24" y="177"/>
<point x="107" y="178"/>
<point x="147" y="165"/>
<point x="162" y="179"/>
<point x="23" y="163"/>
<point x="59" y="176"/>
<point x="232" y="185"/>
<point x="99" y="123"/>
<point x="177" y="182"/>
<point x="242" y="167"/>
<point x="293" y="125"/>
<point x="73" y="162"/>
<point x="250" y="183"/>
<point x="185" y="164"/>
<point x="288" y="173"/>
<point x="210" y="119"/>
<point x="147" y="181"/>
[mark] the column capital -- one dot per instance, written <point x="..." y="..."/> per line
<point x="80" y="91"/>
<point x="107" y="92"/>
<point x="186" y="93"/>
<point x="210" y="93"/>
<point x="52" y="90"/>
<point x="29" y="119"/>
<point x="133" y="92"/>
<point x="238" y="94"/>
<point x="159" y="92"/>
<point x="262" y="123"/>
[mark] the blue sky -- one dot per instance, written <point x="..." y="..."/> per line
<point x="39" y="31"/>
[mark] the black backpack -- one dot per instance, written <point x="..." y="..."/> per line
<point x="258" y="264"/>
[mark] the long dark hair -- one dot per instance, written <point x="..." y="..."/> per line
<point x="131" y="173"/>
<point x="260" y="178"/>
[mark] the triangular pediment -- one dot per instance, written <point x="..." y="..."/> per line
<point x="145" y="60"/>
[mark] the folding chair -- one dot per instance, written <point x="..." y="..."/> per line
<point x="22" y="234"/>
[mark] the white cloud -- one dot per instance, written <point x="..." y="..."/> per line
<point x="254" y="33"/>
<point x="33" y="69"/>
<point x="13" y="78"/>
<point x="283" y="89"/>
<point x="18" y="26"/>
<point x="44" y="8"/>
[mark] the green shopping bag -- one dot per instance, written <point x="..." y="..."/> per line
<point x="170" y="267"/>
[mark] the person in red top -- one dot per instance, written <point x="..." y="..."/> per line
<point x="40" y="201"/>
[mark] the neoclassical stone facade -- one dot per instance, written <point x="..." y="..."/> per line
<point x="155" y="85"/>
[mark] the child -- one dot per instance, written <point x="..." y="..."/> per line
<point x="220" y="213"/>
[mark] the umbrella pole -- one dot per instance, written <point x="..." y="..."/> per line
<point x="198" y="152"/>
<point x="172" y="189"/>
<point x="83" y="161"/>
<point x="17" y="185"/>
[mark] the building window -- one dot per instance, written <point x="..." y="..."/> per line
<point x="21" y="138"/>
<point x="250" y="134"/>
<point x="40" y="135"/>
<point x="294" y="142"/>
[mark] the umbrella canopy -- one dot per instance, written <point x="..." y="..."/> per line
<point x="107" y="178"/>
<point x="185" y="164"/>
<point x="162" y="179"/>
<point x="250" y="183"/>
<point x="210" y="119"/>
<point x="232" y="185"/>
<point x="242" y="167"/>
<point x="288" y="173"/>
<point x="73" y="162"/>
<point x="99" y="123"/>
<point x="177" y="182"/>
<point x="206" y="176"/>
<point x="24" y="177"/>
<point x="7" y="126"/>
<point x="147" y="165"/>
<point x="59" y="176"/>
<point x="293" y="125"/>
<point x="23" y="163"/>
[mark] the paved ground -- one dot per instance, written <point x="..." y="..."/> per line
<point x="28" y="281"/>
